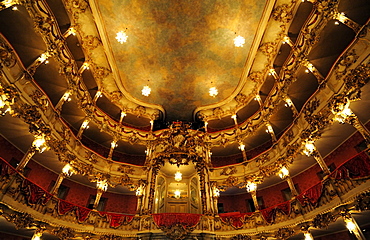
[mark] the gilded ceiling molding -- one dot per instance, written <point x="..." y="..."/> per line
<point x="93" y="46"/>
<point x="318" y="19"/>
<point x="259" y="67"/>
<point x="288" y="73"/>
<point x="46" y="25"/>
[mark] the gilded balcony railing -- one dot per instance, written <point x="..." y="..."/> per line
<point x="341" y="191"/>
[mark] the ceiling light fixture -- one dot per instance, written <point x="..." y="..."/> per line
<point x="121" y="37"/>
<point x="239" y="41"/>
<point x="178" y="176"/>
<point x="213" y="92"/>
<point x="146" y="91"/>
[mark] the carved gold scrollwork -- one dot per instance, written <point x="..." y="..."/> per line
<point x="241" y="237"/>
<point x="20" y="220"/>
<point x="63" y="233"/>
<point x="284" y="233"/>
<point x="6" y="55"/>
<point x="177" y="232"/>
<point x="356" y="79"/>
<point x="323" y="220"/>
<point x="231" y="181"/>
<point x="228" y="171"/>
<point x="282" y="13"/>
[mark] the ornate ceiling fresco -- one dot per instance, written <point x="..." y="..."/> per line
<point x="180" y="49"/>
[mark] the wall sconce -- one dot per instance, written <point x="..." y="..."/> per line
<point x="113" y="144"/>
<point x="257" y="98"/>
<point x="66" y="96"/>
<point x="289" y="102"/>
<point x="251" y="187"/>
<point x="216" y="192"/>
<point x="102" y="185"/>
<point x="7" y="98"/>
<point x="341" y="110"/>
<point x="283" y="173"/>
<point x="139" y="191"/>
<point x="71" y="31"/>
<point x="309" y="148"/>
<point x="308" y="236"/>
<point x="68" y="170"/>
<point x="85" y="124"/>
<point x="178" y="176"/>
<point x="269" y="128"/>
<point x="85" y="66"/>
<point x="241" y="147"/>
<point x="341" y="17"/>
<point x="37" y="235"/>
<point x="177" y="194"/>
<point x="40" y="143"/>
<point x="43" y="58"/>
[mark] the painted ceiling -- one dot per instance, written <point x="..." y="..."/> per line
<point x="180" y="49"/>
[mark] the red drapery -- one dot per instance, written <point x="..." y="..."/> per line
<point x="64" y="207"/>
<point x="35" y="193"/>
<point x="356" y="167"/>
<point x="311" y="195"/>
<point x="6" y="169"/>
<point x="269" y="213"/>
<point x="236" y="219"/>
<point x="82" y="213"/>
<point x="171" y="219"/>
<point x="117" y="219"/>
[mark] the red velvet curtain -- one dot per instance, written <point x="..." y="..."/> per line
<point x="171" y="219"/>
<point x="269" y="213"/>
<point x="6" y="169"/>
<point x="356" y="167"/>
<point x="34" y="193"/>
<point x="311" y="195"/>
<point x="64" y="207"/>
<point x="82" y="213"/>
<point x="116" y="219"/>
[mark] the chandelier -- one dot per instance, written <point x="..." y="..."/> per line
<point x="178" y="176"/>
<point x="213" y="92"/>
<point x="239" y="41"/>
<point x="121" y="37"/>
<point x="146" y="91"/>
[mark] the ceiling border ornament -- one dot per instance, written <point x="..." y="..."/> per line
<point x="92" y="47"/>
